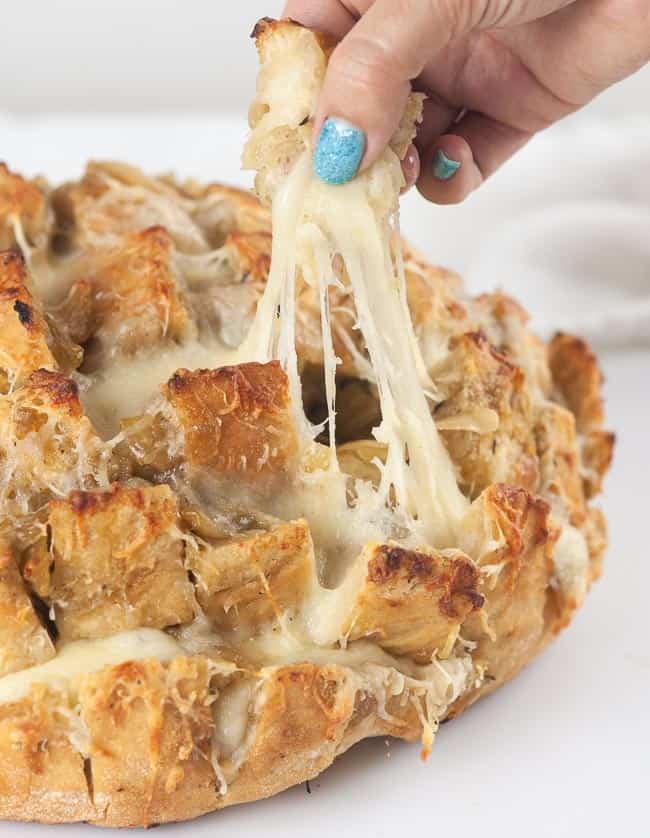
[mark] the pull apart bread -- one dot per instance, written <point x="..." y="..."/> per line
<point x="252" y="513"/>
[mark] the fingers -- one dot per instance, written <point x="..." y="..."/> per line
<point x="369" y="74"/>
<point x="410" y="168"/>
<point x="457" y="163"/>
<point x="437" y="118"/>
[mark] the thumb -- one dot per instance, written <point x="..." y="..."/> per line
<point x="369" y="74"/>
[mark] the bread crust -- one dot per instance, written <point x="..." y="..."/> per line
<point x="234" y="419"/>
<point x="23" y="209"/>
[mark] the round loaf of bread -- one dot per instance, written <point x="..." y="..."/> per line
<point x="193" y="612"/>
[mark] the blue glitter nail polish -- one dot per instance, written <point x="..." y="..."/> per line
<point x="339" y="151"/>
<point x="444" y="167"/>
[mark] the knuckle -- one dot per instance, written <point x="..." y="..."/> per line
<point x="363" y="62"/>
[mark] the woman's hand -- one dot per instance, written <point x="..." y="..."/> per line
<point x="495" y="72"/>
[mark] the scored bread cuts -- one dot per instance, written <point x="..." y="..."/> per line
<point x="202" y="602"/>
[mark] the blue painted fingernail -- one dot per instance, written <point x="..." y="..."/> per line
<point x="339" y="151"/>
<point x="444" y="167"/>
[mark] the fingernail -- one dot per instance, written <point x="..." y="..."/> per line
<point x="339" y="151"/>
<point x="444" y="167"/>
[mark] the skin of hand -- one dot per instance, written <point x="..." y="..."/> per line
<point x="495" y="73"/>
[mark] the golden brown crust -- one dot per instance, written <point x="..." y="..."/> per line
<point x="47" y="447"/>
<point x="597" y="455"/>
<point x="150" y="727"/>
<point x="23" y="639"/>
<point x="133" y="298"/>
<point x="595" y="531"/>
<point x="305" y="709"/>
<point x="25" y="344"/>
<point x="559" y="458"/>
<point x="485" y="378"/>
<point x="235" y="419"/>
<point x="248" y="580"/>
<point x="267" y="29"/>
<point x="116" y="560"/>
<point x="414" y="602"/>
<point x="21" y="203"/>
<point x="148" y="748"/>
<point x="42" y="774"/>
<point x="578" y="378"/>
<point x="512" y="627"/>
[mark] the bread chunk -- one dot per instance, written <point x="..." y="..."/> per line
<point x="25" y="339"/>
<point x="117" y="560"/>
<point x="558" y="458"/>
<point x="486" y="390"/>
<point x="23" y="211"/>
<point x="135" y="299"/>
<point x="29" y="341"/>
<point x="414" y="602"/>
<point x="47" y="445"/>
<point x="114" y="199"/>
<point x="509" y="532"/>
<point x="24" y="641"/>
<point x="151" y="726"/>
<point x="254" y="578"/>
<point x="578" y="379"/>
<point x="42" y="774"/>
<point x="235" y="419"/>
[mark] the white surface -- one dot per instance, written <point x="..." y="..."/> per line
<point x="129" y="54"/>
<point x="132" y="55"/>
<point x="565" y="226"/>
<point x="563" y="750"/>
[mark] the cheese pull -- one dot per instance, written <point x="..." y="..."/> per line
<point x="342" y="235"/>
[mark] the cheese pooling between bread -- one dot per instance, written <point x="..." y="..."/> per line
<point x="83" y="656"/>
<point x="314" y="225"/>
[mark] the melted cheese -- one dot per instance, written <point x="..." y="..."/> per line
<point x="82" y="657"/>
<point x="430" y="689"/>
<point x="232" y="715"/>
<point x="127" y="386"/>
<point x="313" y="223"/>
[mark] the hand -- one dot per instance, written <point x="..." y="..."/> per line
<point x="495" y="71"/>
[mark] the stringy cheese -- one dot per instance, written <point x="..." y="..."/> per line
<point x="430" y="689"/>
<point x="312" y="224"/>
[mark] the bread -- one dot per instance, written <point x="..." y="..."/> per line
<point x="183" y="628"/>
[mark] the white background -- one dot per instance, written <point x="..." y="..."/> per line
<point x="135" y="55"/>
<point x="564" y="749"/>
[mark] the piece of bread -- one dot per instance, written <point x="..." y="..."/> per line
<point x="182" y="630"/>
